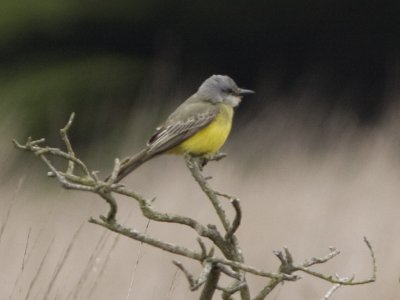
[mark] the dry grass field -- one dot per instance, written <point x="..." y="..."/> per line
<point x="304" y="182"/>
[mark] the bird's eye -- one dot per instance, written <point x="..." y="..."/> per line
<point x="228" y="91"/>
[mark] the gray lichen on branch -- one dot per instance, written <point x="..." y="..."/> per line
<point x="228" y="261"/>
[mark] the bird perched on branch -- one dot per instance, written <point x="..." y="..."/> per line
<point x="199" y="126"/>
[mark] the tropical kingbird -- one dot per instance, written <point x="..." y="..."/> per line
<point x="199" y="126"/>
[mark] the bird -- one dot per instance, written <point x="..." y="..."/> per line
<point x="198" y="127"/>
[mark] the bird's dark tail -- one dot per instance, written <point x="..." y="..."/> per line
<point x="132" y="163"/>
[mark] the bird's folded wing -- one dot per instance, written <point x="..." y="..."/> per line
<point x="175" y="131"/>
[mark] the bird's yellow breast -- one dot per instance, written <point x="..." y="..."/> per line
<point x="210" y="139"/>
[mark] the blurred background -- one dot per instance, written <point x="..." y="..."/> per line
<point x="314" y="155"/>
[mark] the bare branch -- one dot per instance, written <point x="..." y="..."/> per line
<point x="203" y="248"/>
<point x="40" y="151"/>
<point x="273" y="283"/>
<point x="315" y="260"/>
<point x="229" y="291"/>
<point x="211" y="283"/>
<point x="231" y="264"/>
<point x="236" y="222"/>
<point x="331" y="291"/>
<point x="62" y="178"/>
<point x="108" y="197"/>
<point x="148" y="211"/>
<point x="336" y="286"/>
<point x="64" y="137"/>
<point x="229" y="272"/>
<point x="231" y="248"/>
<point x="372" y="253"/>
<point x="134" y="234"/>
<point x="252" y="270"/>
<point x="194" y="168"/>
<point x="334" y="280"/>
<point x="209" y="276"/>
<point x="114" y="174"/>
<point x="195" y="283"/>
<point x="286" y="259"/>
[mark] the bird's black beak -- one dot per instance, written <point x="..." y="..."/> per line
<point x="243" y="92"/>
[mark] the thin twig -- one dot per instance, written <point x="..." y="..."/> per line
<point x="229" y="272"/>
<point x="252" y="270"/>
<point x="194" y="284"/>
<point x="320" y="260"/>
<point x="372" y="253"/>
<point x="114" y="174"/>
<point x="134" y="234"/>
<point x="33" y="147"/>
<point x="109" y="198"/>
<point x="64" y="137"/>
<point x="351" y="282"/>
<point x="236" y="222"/>
<point x="234" y="288"/>
<point x="330" y="292"/>
<point x="336" y="286"/>
<point x="148" y="211"/>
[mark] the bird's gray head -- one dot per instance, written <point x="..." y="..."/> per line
<point x="222" y="88"/>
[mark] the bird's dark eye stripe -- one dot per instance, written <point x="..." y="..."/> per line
<point x="228" y="91"/>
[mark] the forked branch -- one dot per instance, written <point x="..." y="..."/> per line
<point x="228" y="260"/>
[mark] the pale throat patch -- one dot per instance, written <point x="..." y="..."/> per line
<point x="233" y="100"/>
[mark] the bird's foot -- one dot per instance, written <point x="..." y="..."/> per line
<point x="217" y="156"/>
<point x="201" y="161"/>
